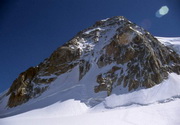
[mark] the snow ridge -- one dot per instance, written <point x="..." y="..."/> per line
<point x="172" y="42"/>
<point x="168" y="89"/>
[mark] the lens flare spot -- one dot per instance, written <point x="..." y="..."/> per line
<point x="162" y="11"/>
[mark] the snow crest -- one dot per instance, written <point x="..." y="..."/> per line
<point x="172" y="42"/>
<point x="70" y="107"/>
<point x="163" y="92"/>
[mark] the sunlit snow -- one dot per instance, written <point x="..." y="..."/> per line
<point x="68" y="103"/>
<point x="157" y="105"/>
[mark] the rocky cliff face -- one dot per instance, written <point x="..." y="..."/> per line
<point x="125" y="55"/>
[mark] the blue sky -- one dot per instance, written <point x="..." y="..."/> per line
<point x="30" y="30"/>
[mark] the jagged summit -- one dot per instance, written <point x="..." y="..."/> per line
<point x="108" y="21"/>
<point x="112" y="56"/>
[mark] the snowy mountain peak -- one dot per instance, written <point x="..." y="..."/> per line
<point x="112" y="56"/>
<point x="111" y="21"/>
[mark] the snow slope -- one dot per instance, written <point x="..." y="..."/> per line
<point x="156" y="114"/>
<point x="158" y="105"/>
<point x="163" y="92"/>
<point x="172" y="42"/>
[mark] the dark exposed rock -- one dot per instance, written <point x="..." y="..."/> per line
<point x="106" y="80"/>
<point x="84" y="67"/>
<point x="148" y="61"/>
<point x="21" y="87"/>
<point x="137" y="59"/>
<point x="26" y="87"/>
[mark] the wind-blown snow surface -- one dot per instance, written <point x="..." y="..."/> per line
<point x="166" y="91"/>
<point x="158" y="105"/>
<point x="172" y="42"/>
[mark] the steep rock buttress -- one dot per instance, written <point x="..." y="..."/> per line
<point x="135" y="58"/>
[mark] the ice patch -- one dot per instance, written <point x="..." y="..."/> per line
<point x="105" y="19"/>
<point x="95" y="29"/>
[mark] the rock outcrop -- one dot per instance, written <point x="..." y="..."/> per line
<point x="132" y="57"/>
<point x="28" y="84"/>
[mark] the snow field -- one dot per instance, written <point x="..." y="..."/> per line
<point x="155" y="114"/>
<point x="172" y="42"/>
<point x="158" y="105"/>
<point x="64" y="105"/>
<point x="168" y="89"/>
